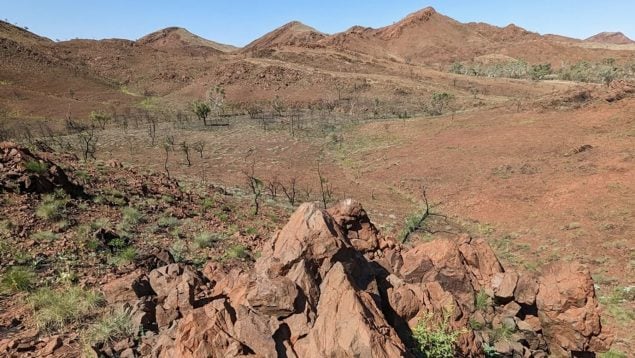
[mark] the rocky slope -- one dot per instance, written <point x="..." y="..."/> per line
<point x="616" y="38"/>
<point x="327" y="285"/>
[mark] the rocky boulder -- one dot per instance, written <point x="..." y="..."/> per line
<point x="325" y="286"/>
<point x="25" y="172"/>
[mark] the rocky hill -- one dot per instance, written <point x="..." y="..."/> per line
<point x="327" y="284"/>
<point x="616" y="38"/>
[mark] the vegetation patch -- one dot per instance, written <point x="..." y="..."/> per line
<point x="54" y="308"/>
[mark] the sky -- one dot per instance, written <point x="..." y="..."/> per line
<point x="238" y="22"/>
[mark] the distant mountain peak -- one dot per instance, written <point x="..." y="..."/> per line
<point x="294" y="33"/>
<point x="617" y="38"/>
<point x="177" y="37"/>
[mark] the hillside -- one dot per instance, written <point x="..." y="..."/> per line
<point x="616" y="38"/>
<point x="294" y="33"/>
<point x="176" y="38"/>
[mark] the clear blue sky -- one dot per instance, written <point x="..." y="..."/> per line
<point x="238" y="22"/>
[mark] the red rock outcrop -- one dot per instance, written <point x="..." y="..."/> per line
<point x="324" y="287"/>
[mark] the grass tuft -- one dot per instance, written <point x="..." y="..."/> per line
<point x="17" y="278"/>
<point x="54" y="309"/>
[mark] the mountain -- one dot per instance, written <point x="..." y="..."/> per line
<point x="294" y="33"/>
<point x="178" y="38"/>
<point x="21" y="36"/>
<point x="616" y="38"/>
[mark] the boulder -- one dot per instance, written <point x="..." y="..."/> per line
<point x="568" y="310"/>
<point x="349" y="323"/>
<point x="351" y="217"/>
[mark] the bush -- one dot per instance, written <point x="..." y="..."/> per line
<point x="236" y="252"/>
<point x="482" y="301"/>
<point x="109" y="328"/>
<point x="168" y="222"/>
<point x="53" y="206"/>
<point x="436" y="340"/>
<point x="44" y="236"/>
<point x="123" y="257"/>
<point x="36" y="167"/>
<point x="17" y="278"/>
<point x="53" y="309"/>
<point x="207" y="239"/>
<point x="178" y="250"/>
<point x="130" y="217"/>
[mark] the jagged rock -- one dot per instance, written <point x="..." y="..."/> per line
<point x="273" y="297"/>
<point x="314" y="292"/>
<point x="504" y="285"/>
<point x="126" y="288"/>
<point x="352" y="218"/>
<point x="52" y="344"/>
<point x="526" y="290"/>
<point x="175" y="288"/>
<point x="348" y="323"/>
<point x="568" y="310"/>
<point x="206" y="332"/>
<point x="17" y="177"/>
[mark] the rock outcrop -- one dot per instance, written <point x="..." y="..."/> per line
<point x="24" y="172"/>
<point x="328" y="285"/>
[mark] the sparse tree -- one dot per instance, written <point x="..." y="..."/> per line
<point x="216" y="99"/>
<point x="170" y="140"/>
<point x="201" y="110"/>
<point x="272" y="187"/>
<point x="88" y="141"/>
<point x="166" y="149"/>
<point x="185" y="148"/>
<point x="289" y="190"/>
<point x="278" y="106"/>
<point x="152" y="128"/>
<point x="199" y="147"/>
<point x="325" y="187"/>
<point x="439" y="101"/>
<point x="255" y="185"/>
<point x="101" y="119"/>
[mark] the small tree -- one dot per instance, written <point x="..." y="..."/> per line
<point x="201" y="110"/>
<point x="255" y="185"/>
<point x="608" y="74"/>
<point x="289" y="190"/>
<point x="278" y="106"/>
<point x="88" y="141"/>
<point x="439" y="101"/>
<point x="216" y="99"/>
<point x="199" y="147"/>
<point x="326" y="188"/>
<point x="166" y="149"/>
<point x="100" y="119"/>
<point x="185" y="148"/>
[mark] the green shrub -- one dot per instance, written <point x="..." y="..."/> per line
<point x="168" y="222"/>
<point x="36" y="167"/>
<point x="207" y="239"/>
<point x="411" y="226"/>
<point x="436" y="339"/>
<point x="123" y="257"/>
<point x="53" y="206"/>
<point x="482" y="301"/>
<point x="206" y="204"/>
<point x="236" y="252"/>
<point x="130" y="217"/>
<point x="612" y="354"/>
<point x="111" y="327"/>
<point x="17" y="278"/>
<point x="44" y="236"/>
<point x="53" y="309"/>
<point x="178" y="250"/>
